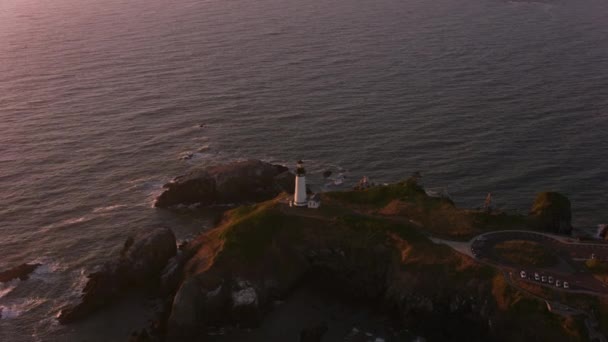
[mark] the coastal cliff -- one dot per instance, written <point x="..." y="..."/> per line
<point x="233" y="183"/>
<point x="360" y="246"/>
<point x="551" y="212"/>
<point x="371" y="245"/>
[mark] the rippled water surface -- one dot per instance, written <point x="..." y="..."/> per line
<point x="100" y="99"/>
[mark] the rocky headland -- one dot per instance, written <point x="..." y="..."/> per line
<point x="551" y="212"/>
<point x="369" y="246"/>
<point x="361" y="246"/>
<point x="234" y="183"/>
<point x="139" y="266"/>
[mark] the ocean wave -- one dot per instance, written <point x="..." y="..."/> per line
<point x="108" y="208"/>
<point x="65" y="223"/>
<point x="6" y="288"/>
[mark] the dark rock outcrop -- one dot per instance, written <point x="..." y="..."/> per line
<point x="602" y="231"/>
<point x="313" y="333"/>
<point x="21" y="272"/>
<point x="139" y="265"/>
<point x="551" y="212"/>
<point x="237" y="182"/>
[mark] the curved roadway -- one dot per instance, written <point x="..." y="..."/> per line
<point x="570" y="252"/>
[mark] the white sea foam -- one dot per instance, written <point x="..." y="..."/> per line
<point x="47" y="270"/>
<point x="16" y="308"/>
<point x="65" y="223"/>
<point x="108" y="208"/>
<point x="7" y="287"/>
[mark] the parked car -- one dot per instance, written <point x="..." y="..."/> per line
<point x="536" y="277"/>
<point x="523" y="274"/>
<point x="558" y="283"/>
<point x="550" y="280"/>
<point x="543" y="279"/>
<point x="566" y="285"/>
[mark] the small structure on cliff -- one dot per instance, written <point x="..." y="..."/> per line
<point x="487" y="204"/>
<point x="363" y="184"/>
<point x="300" y="198"/>
<point x="314" y="201"/>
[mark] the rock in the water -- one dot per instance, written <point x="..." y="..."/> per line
<point x="148" y="255"/>
<point x="327" y="173"/>
<point x="22" y="272"/>
<point x="187" y="156"/>
<point x="551" y="212"/>
<point x="238" y="182"/>
<point x="140" y="263"/>
<point x="314" y="333"/>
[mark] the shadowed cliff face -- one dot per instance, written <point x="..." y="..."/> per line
<point x="262" y="253"/>
<point x="238" y="182"/>
<point x="551" y="212"/>
<point x="139" y="266"/>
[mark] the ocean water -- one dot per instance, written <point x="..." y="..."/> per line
<point x="100" y="100"/>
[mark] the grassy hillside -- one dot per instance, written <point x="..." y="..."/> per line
<point x="366" y="245"/>
<point x="518" y="252"/>
<point x="408" y="201"/>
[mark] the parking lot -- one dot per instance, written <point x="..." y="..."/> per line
<point x="569" y="274"/>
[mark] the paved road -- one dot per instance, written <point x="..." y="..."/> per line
<point x="569" y="270"/>
<point x="568" y="251"/>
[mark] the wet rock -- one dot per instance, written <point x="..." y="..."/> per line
<point x="237" y="182"/>
<point x="141" y="336"/>
<point x="21" y="272"/>
<point x="356" y="335"/>
<point x="197" y="304"/>
<point x="327" y="174"/>
<point x="171" y="275"/>
<point x="313" y="333"/>
<point x="245" y="305"/>
<point x="551" y="212"/>
<point x="187" y="156"/>
<point x="139" y="265"/>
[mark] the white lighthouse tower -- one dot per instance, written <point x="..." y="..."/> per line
<point x="299" y="197"/>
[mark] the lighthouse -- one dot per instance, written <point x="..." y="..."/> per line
<point x="299" y="197"/>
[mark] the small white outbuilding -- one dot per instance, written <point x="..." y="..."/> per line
<point x="314" y="201"/>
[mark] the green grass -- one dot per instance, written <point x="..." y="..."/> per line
<point x="502" y="221"/>
<point x="251" y="229"/>
<point x="274" y="238"/>
<point x="379" y="196"/>
<point x="521" y="252"/>
<point x="596" y="266"/>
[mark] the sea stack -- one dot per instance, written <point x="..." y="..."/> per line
<point x="299" y="197"/>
